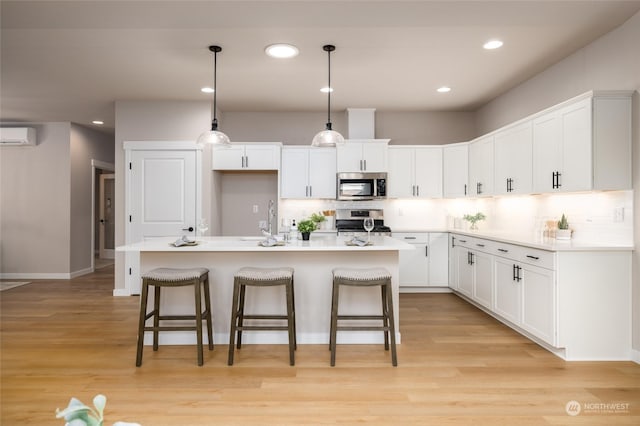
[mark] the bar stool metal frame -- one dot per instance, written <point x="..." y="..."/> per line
<point x="262" y="277"/>
<point x="364" y="278"/>
<point x="172" y="277"/>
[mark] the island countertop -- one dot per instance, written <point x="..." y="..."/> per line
<point x="251" y="244"/>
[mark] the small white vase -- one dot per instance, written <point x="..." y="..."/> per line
<point x="563" y="234"/>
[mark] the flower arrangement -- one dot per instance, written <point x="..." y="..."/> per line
<point x="78" y="414"/>
<point x="474" y="218"/>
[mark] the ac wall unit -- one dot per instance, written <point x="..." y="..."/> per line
<point x="17" y="136"/>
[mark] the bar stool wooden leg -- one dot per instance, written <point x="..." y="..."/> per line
<point x="392" y="327"/>
<point x="385" y="316"/>
<point x="198" y="306"/>
<point x="141" y="322"/>
<point x="156" y="315"/>
<point x="291" y="323"/>
<point x="334" y="322"/>
<point x="243" y="289"/>
<point x="207" y="302"/>
<point x="234" y="319"/>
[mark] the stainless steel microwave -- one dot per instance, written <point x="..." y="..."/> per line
<point x="361" y="186"/>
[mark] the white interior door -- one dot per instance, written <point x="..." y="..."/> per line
<point x="163" y="194"/>
<point x="106" y="233"/>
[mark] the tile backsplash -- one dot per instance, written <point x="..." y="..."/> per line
<point x="595" y="216"/>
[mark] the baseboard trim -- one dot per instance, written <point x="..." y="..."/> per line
<point x="425" y="290"/>
<point x="635" y="356"/>
<point x="81" y="272"/>
<point x="121" y="292"/>
<point x="35" y="276"/>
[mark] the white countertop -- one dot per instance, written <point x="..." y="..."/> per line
<point x="550" y="244"/>
<point x="251" y="244"/>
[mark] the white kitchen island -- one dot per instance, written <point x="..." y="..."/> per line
<point x="312" y="261"/>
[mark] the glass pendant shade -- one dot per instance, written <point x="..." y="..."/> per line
<point x="214" y="136"/>
<point x="328" y="137"/>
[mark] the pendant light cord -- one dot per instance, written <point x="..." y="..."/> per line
<point x="329" y="92"/>
<point x="215" y="50"/>
<point x="215" y="86"/>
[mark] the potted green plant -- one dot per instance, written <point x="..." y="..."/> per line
<point x="473" y="219"/>
<point x="318" y="219"/>
<point x="563" y="232"/>
<point x="306" y="227"/>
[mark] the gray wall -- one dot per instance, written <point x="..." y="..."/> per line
<point x="34" y="203"/>
<point x="86" y="145"/>
<point x="298" y="128"/>
<point x="45" y="201"/>
<point x="156" y="121"/>
<point x="611" y="62"/>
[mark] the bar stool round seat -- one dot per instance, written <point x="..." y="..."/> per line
<point x="174" y="277"/>
<point x="262" y="277"/>
<point x="368" y="277"/>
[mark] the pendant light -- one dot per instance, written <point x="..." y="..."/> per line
<point x="214" y="136"/>
<point x="328" y="137"/>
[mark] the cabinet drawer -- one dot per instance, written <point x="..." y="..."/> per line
<point x="412" y="237"/>
<point x="474" y="243"/>
<point x="528" y="255"/>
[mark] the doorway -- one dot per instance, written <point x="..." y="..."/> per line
<point x="106" y="231"/>
<point x="103" y="211"/>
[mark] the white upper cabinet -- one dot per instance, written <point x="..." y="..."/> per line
<point x="455" y="164"/>
<point x="308" y="172"/>
<point x="513" y="159"/>
<point x="246" y="156"/>
<point x="584" y="144"/>
<point x="362" y="156"/>
<point x="481" y="167"/>
<point x="415" y="172"/>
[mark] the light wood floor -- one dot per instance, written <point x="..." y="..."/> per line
<point x="456" y="366"/>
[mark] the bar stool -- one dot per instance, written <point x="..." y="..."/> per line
<point x="169" y="277"/>
<point x="364" y="278"/>
<point x="262" y="277"/>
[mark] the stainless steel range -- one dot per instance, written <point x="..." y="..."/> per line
<point x="350" y="222"/>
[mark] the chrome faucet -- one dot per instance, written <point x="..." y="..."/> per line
<point x="271" y="215"/>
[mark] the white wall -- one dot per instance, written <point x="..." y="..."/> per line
<point x="611" y="62"/>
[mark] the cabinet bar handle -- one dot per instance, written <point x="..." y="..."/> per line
<point x="519" y="276"/>
<point x="310" y="191"/>
<point x="463" y="241"/>
<point x="480" y="245"/>
<point x="514" y="273"/>
<point x="465" y="189"/>
<point x="417" y="190"/>
<point x="533" y="257"/>
<point x="503" y="250"/>
<point x="409" y="238"/>
<point x="426" y="251"/>
<point x="365" y="164"/>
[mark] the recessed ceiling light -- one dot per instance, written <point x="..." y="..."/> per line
<point x="98" y="122"/>
<point x="326" y="89"/>
<point x="444" y="89"/>
<point x="281" y="50"/>
<point x="492" y="44"/>
<point x="206" y="90"/>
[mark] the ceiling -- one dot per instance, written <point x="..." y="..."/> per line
<point x="71" y="60"/>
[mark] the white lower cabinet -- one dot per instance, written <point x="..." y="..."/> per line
<point x="427" y="265"/>
<point x="508" y="281"/>
<point x="539" y="302"/>
<point x="575" y="303"/>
